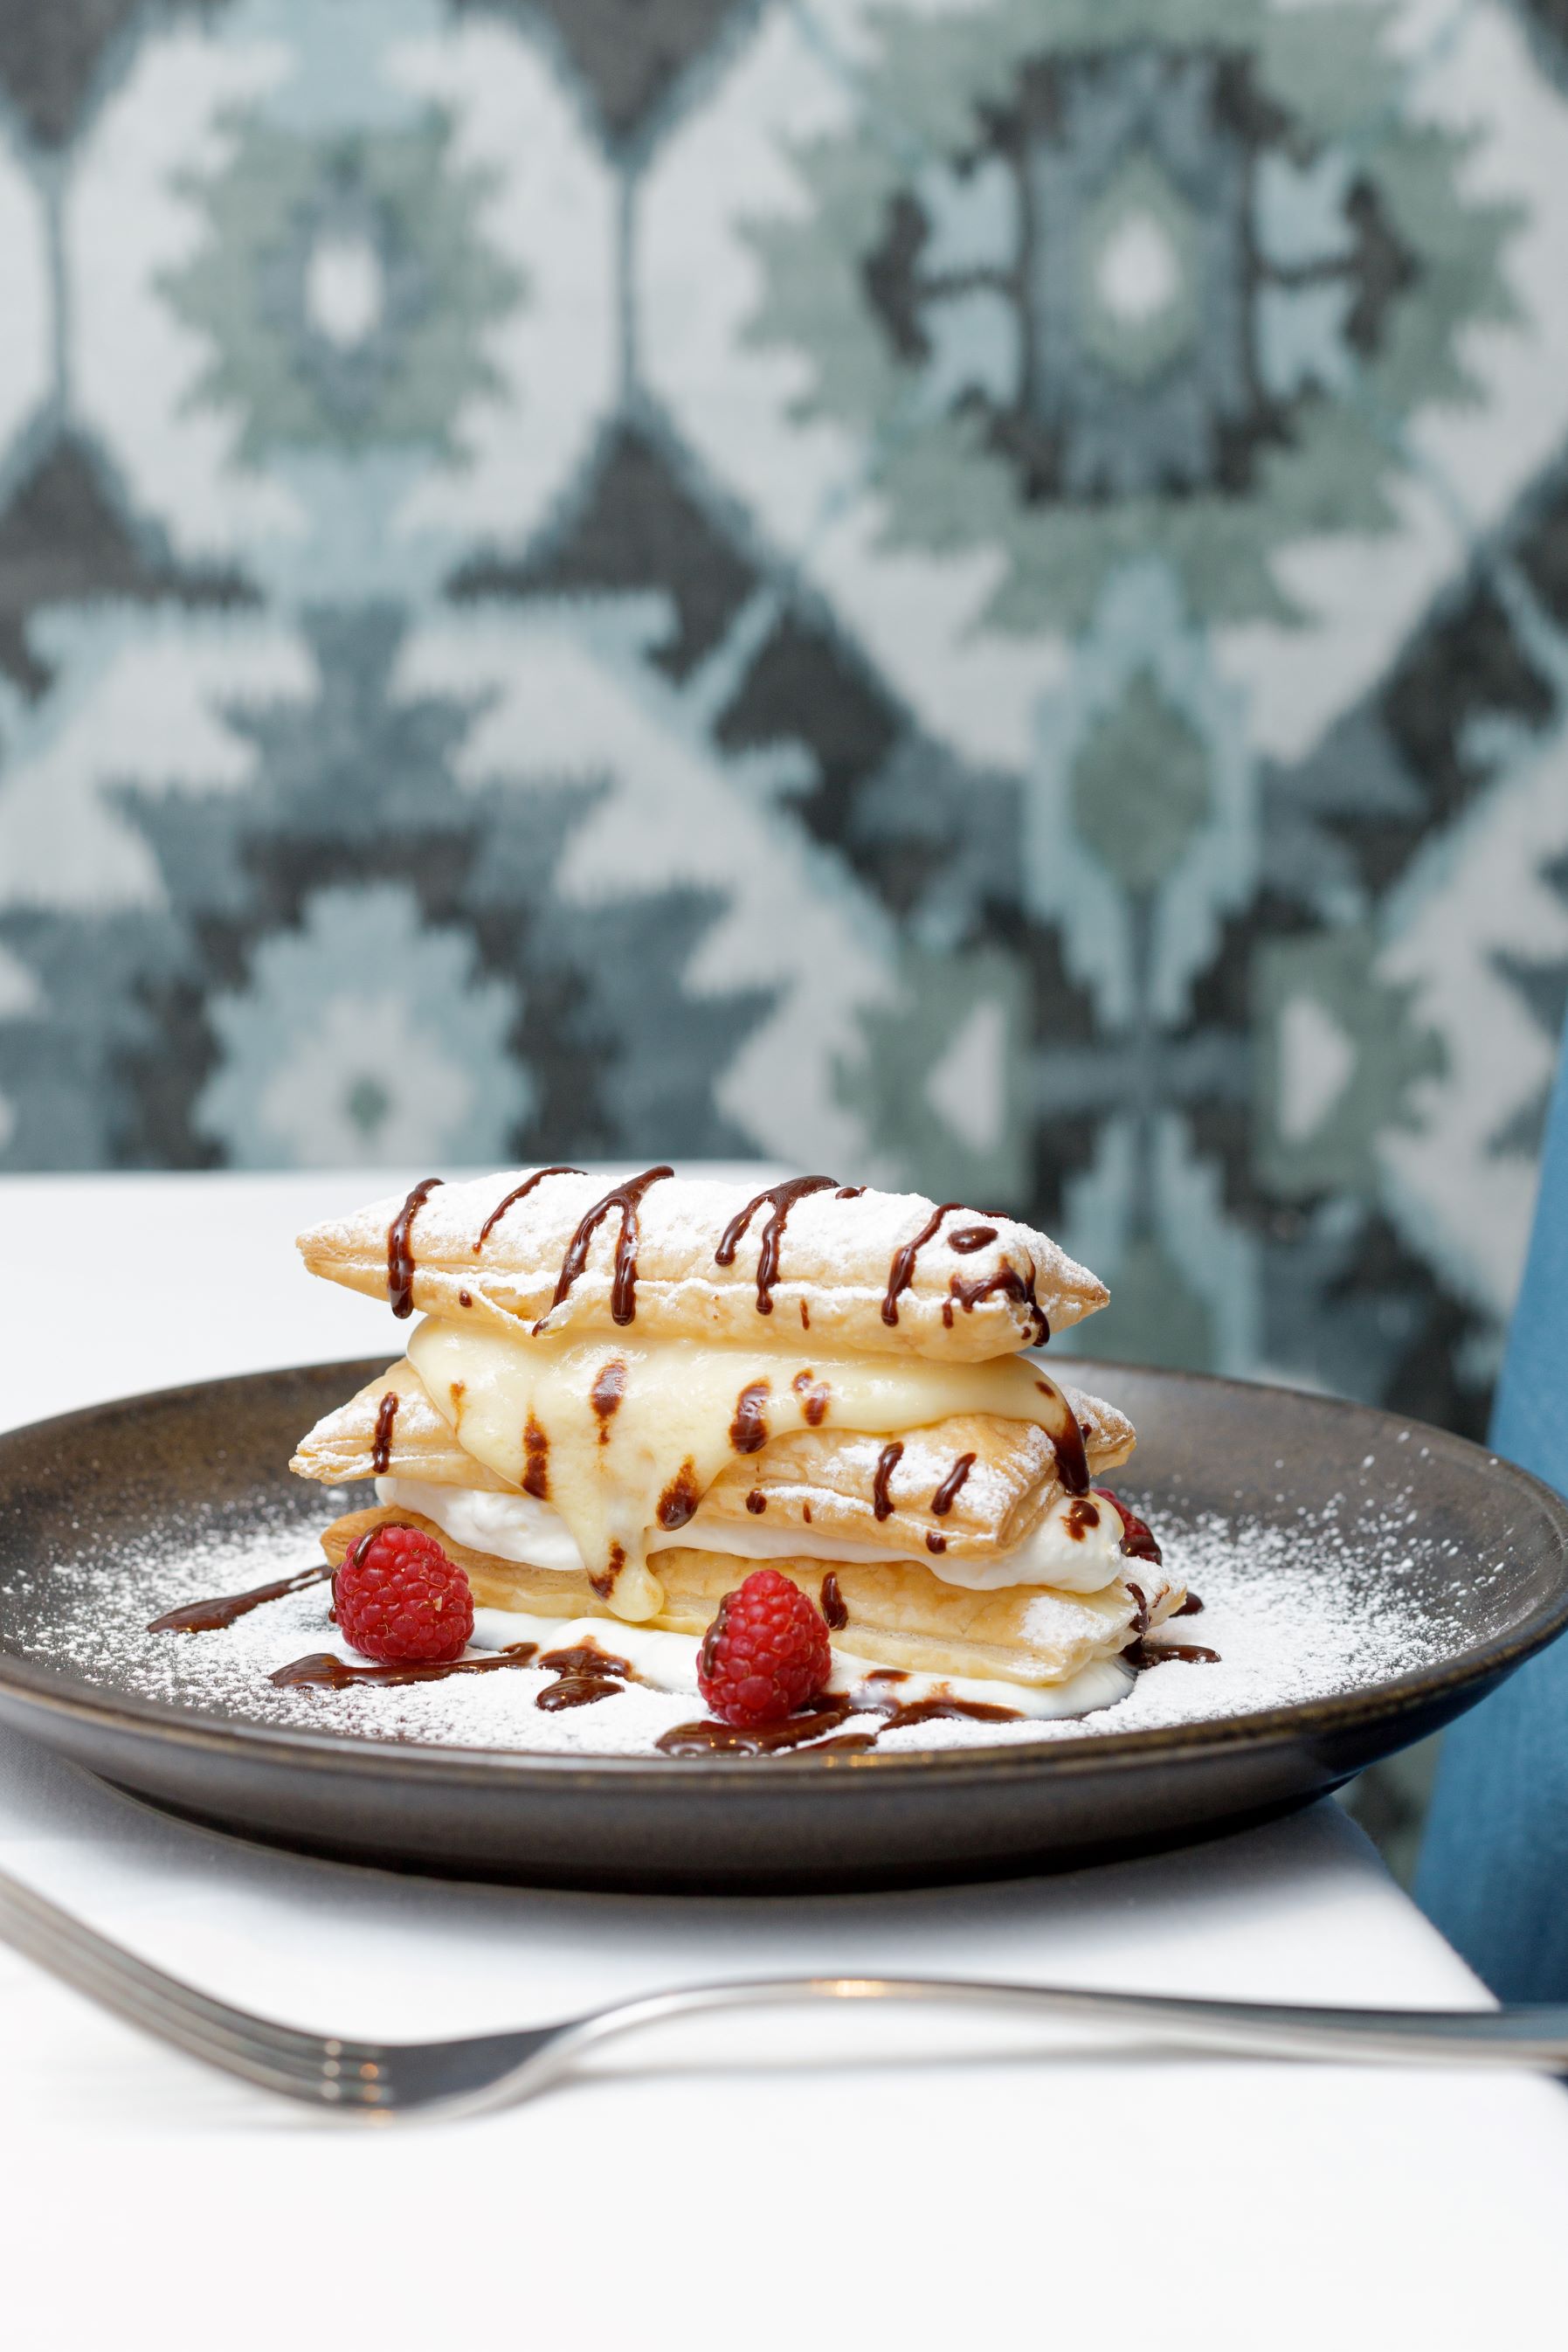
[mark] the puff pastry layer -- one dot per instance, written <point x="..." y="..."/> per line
<point x="876" y="1272"/>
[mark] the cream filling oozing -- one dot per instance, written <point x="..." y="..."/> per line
<point x="620" y="1424"/>
<point x="669" y="1663"/>
<point x="517" y="1527"/>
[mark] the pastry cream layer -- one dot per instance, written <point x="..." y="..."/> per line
<point x="624" y="1435"/>
<point x="517" y="1527"/>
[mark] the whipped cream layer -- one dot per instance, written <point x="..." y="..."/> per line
<point x="669" y="1661"/>
<point x="520" y="1527"/>
<point x="623" y="1436"/>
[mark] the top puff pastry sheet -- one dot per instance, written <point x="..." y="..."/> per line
<point x="836" y="1259"/>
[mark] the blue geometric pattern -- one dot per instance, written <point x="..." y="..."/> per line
<point x="972" y="592"/>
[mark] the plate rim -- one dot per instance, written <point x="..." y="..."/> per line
<point x="54" y="1691"/>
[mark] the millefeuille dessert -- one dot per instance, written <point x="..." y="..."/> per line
<point x="622" y="1405"/>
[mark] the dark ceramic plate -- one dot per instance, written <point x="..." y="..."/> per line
<point x="1462" y="1558"/>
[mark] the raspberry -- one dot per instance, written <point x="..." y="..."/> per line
<point x="399" y="1597"/>
<point x="766" y="1652"/>
<point x="1138" y="1540"/>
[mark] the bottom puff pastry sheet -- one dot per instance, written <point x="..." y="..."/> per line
<point x="899" y="1615"/>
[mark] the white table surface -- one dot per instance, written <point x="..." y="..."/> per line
<point x="935" y="2185"/>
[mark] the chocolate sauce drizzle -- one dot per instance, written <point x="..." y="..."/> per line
<point x="783" y="1198"/>
<point x="680" y="1497"/>
<point x="933" y="1542"/>
<point x="835" y="1608"/>
<point x="756" y="1502"/>
<point x="1191" y="1607"/>
<point x="324" y="1670"/>
<point x="711" y="1739"/>
<point x="609" y="1388"/>
<point x="1141" y="1656"/>
<point x="584" y="1674"/>
<point x="627" y="1197"/>
<point x="381" y="1451"/>
<point x="227" y="1609"/>
<point x="947" y="1494"/>
<point x="1061" y="1426"/>
<point x="603" y="1580"/>
<point x="849" y="1192"/>
<point x="813" y="1394"/>
<point x="400" y="1257"/>
<point x="521" y="1194"/>
<point x="749" y="1430"/>
<point x="707" y="1652"/>
<point x="901" y="1273"/>
<point x="1006" y="1283"/>
<point x="887" y="1462"/>
<point x="825" y="1713"/>
<point x="966" y="1239"/>
<point x="536" y="1465"/>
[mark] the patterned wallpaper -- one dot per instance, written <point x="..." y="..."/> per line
<point x="963" y="591"/>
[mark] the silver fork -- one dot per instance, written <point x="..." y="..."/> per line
<point x="342" y="2076"/>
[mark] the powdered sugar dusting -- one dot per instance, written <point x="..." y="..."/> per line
<point x="1323" y="1604"/>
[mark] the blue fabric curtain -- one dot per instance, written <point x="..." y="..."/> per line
<point x="1494" y="1872"/>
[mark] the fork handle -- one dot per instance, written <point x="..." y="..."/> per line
<point x="1535" y="2039"/>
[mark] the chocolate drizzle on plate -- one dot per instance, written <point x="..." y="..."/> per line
<point x="875" y="1696"/>
<point x="1191" y="1607"/>
<point x="1141" y="1656"/>
<point x="947" y="1494"/>
<point x="324" y="1670"/>
<point x="520" y="1193"/>
<point x="887" y="1462"/>
<point x="711" y="1739"/>
<point x="626" y="1198"/>
<point x="782" y="1198"/>
<point x="400" y="1253"/>
<point x="380" y="1450"/>
<point x="227" y="1609"/>
<point x="584" y="1674"/>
